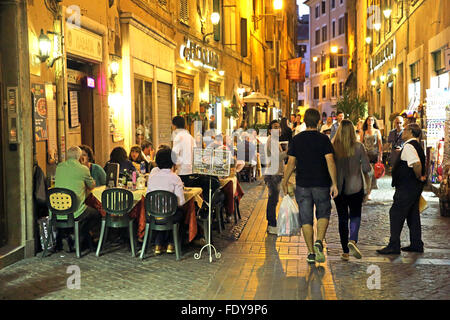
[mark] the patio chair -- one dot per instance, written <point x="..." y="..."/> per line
<point x="117" y="203"/>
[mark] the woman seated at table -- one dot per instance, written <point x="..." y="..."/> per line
<point x="119" y="155"/>
<point x="136" y="158"/>
<point x="97" y="172"/>
<point x="163" y="178"/>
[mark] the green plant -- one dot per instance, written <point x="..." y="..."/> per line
<point x="352" y="105"/>
<point x="232" y="111"/>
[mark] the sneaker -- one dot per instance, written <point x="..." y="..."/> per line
<point x="311" y="258"/>
<point x="272" y="230"/>
<point x="170" y="248"/>
<point x="345" y="257"/>
<point x="318" y="249"/>
<point x="159" y="249"/>
<point x="354" y="250"/>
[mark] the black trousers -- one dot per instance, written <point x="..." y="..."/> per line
<point x="406" y="207"/>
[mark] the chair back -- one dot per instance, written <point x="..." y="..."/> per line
<point x="160" y="204"/>
<point x="117" y="201"/>
<point x="62" y="202"/>
<point x="216" y="197"/>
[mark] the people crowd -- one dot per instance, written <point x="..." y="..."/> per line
<point x="331" y="160"/>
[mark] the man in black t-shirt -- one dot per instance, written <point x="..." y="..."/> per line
<point x="311" y="154"/>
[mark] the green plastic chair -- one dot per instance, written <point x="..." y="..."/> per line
<point x="62" y="202"/>
<point x="117" y="203"/>
<point x="162" y="206"/>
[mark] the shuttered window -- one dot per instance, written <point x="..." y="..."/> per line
<point x="164" y="112"/>
<point x="184" y="11"/>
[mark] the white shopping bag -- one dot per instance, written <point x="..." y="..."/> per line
<point x="288" y="218"/>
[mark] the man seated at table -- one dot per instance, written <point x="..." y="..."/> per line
<point x="72" y="175"/>
<point x="163" y="178"/>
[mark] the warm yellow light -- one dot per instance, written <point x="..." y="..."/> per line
<point x="226" y="103"/>
<point x="368" y="40"/>
<point x="373" y="83"/>
<point x="315" y="59"/>
<point x="278" y="4"/>
<point x="221" y="73"/>
<point x="215" y="18"/>
<point x="395" y="70"/>
<point x="387" y="13"/>
<point x="204" y="96"/>
<point x="334" y="49"/>
<point x="382" y="78"/>
<point x="114" y="68"/>
<point x="377" y="26"/>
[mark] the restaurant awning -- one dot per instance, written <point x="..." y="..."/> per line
<point x="257" y="97"/>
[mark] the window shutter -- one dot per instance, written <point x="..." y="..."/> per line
<point x="243" y="37"/>
<point x="184" y="11"/>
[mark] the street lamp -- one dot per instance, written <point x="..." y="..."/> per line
<point x="45" y="46"/>
<point x="368" y="40"/>
<point x="377" y="26"/>
<point x="215" y="19"/>
<point x="114" y="69"/>
<point x="394" y="70"/>
<point x="221" y="73"/>
<point x="315" y="59"/>
<point x="334" y="49"/>
<point x="382" y="78"/>
<point x="373" y="83"/>
<point x="387" y="12"/>
<point x="278" y="4"/>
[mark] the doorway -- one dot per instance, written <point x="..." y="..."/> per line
<point x="3" y="231"/>
<point x="81" y="102"/>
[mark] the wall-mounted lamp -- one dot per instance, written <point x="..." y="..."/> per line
<point x="221" y="73"/>
<point x="387" y="12"/>
<point x="382" y="78"/>
<point x="215" y="19"/>
<point x="373" y="83"/>
<point x="45" y="48"/>
<point x="278" y="4"/>
<point x="114" y="67"/>
<point x="368" y="40"/>
<point x="315" y="59"/>
<point x="394" y="70"/>
<point x="377" y="26"/>
<point x="334" y="49"/>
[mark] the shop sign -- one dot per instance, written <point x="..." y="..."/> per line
<point x="388" y="53"/>
<point x="83" y="43"/>
<point x="199" y="55"/>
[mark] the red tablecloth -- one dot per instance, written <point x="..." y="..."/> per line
<point x="229" y="196"/>
<point x="138" y="213"/>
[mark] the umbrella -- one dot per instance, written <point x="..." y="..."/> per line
<point x="257" y="97"/>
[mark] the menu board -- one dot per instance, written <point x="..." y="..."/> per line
<point x="74" y="120"/>
<point x="212" y="162"/>
<point x="437" y="101"/>
<point x="40" y="111"/>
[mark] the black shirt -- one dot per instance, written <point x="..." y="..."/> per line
<point x="310" y="148"/>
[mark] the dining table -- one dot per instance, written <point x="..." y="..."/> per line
<point x="192" y="196"/>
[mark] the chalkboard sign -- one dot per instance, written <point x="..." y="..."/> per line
<point x="212" y="162"/>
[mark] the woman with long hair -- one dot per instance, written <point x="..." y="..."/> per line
<point x="87" y="159"/>
<point x="119" y="155"/>
<point x="370" y="137"/>
<point x="136" y="157"/>
<point x="351" y="160"/>
<point x="286" y="132"/>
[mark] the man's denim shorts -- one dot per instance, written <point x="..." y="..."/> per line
<point x="307" y="198"/>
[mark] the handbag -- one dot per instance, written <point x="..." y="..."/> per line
<point x="423" y="204"/>
<point x="378" y="170"/>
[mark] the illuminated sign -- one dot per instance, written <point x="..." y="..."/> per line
<point x="383" y="56"/>
<point x="90" y="82"/>
<point x="199" y="55"/>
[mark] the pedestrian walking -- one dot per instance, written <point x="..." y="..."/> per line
<point x="408" y="177"/>
<point x="311" y="154"/>
<point x="371" y="138"/>
<point x="339" y="117"/>
<point x="351" y="160"/>
<point x="396" y="140"/>
<point x="273" y="174"/>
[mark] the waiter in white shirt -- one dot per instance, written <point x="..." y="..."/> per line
<point x="408" y="178"/>
<point x="183" y="146"/>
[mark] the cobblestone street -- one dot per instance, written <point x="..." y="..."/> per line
<point x="253" y="265"/>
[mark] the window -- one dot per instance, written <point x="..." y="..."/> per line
<point x="316" y="93"/>
<point x="323" y="7"/>
<point x="399" y="10"/>
<point x="143" y="110"/>
<point x="341" y="89"/>
<point x="324" y="33"/>
<point x="317" y="12"/>
<point x="333" y="24"/>
<point x="323" y="61"/>
<point x="333" y="90"/>
<point x="341" y="2"/>
<point x="341" y="25"/>
<point x="415" y="71"/>
<point x="301" y="87"/>
<point x="301" y="102"/>
<point x="439" y="64"/>
<point x="317" y="36"/>
<point x="333" y="4"/>
<point x="317" y="66"/>
<point x="341" y="57"/>
<point x="324" y="91"/>
<point x="184" y="11"/>
<point x="332" y="61"/>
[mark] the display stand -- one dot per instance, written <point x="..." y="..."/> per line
<point x="212" y="163"/>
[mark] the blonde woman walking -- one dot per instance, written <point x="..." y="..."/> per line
<point x="350" y="158"/>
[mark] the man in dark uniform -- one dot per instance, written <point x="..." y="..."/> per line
<point x="408" y="177"/>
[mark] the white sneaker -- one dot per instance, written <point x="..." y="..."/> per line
<point x="272" y="230"/>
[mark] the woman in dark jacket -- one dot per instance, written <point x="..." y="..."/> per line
<point x="286" y="132"/>
<point x="119" y="155"/>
